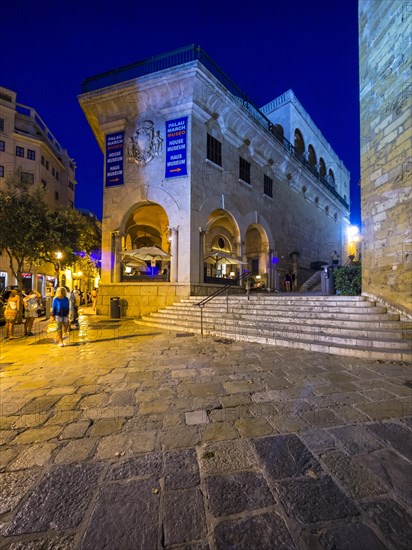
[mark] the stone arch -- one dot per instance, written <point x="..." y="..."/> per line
<point x="322" y="168"/>
<point x="221" y="247"/>
<point x="279" y="132"/>
<point x="299" y="142"/>
<point x="257" y="252"/>
<point x="312" y="156"/>
<point x="331" y="177"/>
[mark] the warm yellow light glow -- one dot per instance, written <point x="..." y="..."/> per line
<point x="352" y="232"/>
<point x="59" y="255"/>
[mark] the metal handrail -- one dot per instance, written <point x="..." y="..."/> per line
<point x="217" y="292"/>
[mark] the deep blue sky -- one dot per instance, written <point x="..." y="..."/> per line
<point x="265" y="46"/>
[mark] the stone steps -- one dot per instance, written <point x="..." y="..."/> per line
<point x="344" y="325"/>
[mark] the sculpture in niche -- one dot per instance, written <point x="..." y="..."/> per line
<point x="145" y="144"/>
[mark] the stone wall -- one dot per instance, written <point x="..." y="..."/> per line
<point x="386" y="164"/>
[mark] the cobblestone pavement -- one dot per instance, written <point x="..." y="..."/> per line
<point x="140" y="439"/>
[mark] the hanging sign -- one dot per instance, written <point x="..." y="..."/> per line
<point x="176" y="132"/>
<point x="114" y="159"/>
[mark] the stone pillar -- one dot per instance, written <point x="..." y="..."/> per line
<point x="295" y="268"/>
<point x="202" y="233"/>
<point x="174" y="249"/>
<point x="116" y="257"/>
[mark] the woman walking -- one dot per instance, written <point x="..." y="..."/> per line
<point x="60" y="314"/>
<point x="11" y="312"/>
<point x="31" y="305"/>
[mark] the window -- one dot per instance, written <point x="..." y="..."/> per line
<point x="31" y="154"/>
<point x="71" y="185"/>
<point x="44" y="183"/>
<point x="47" y="164"/>
<point x="42" y="160"/>
<point x="26" y="177"/>
<point x="53" y="170"/>
<point x="214" y="150"/>
<point x="1" y="124"/>
<point x="244" y="170"/>
<point x="1" y="171"/>
<point x="267" y="186"/>
<point x="71" y="204"/>
<point x="19" y="151"/>
<point x="56" y="195"/>
<point x="57" y="175"/>
<point x="2" y="145"/>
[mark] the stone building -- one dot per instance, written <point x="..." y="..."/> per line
<point x="386" y="150"/>
<point x="29" y="148"/>
<point x="194" y="169"/>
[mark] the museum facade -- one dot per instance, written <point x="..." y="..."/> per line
<point x="201" y="186"/>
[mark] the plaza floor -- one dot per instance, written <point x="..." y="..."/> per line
<point x="131" y="438"/>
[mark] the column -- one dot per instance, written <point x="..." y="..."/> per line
<point x="202" y="233"/>
<point x="174" y="234"/>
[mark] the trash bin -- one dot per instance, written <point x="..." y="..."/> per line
<point x="115" y="307"/>
<point x="328" y="287"/>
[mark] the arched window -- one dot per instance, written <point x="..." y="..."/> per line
<point x="322" y="168"/>
<point x="331" y="177"/>
<point x="279" y="132"/>
<point x="298" y="142"/>
<point x="311" y="156"/>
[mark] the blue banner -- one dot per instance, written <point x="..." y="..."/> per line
<point x="176" y="132"/>
<point x="114" y="159"/>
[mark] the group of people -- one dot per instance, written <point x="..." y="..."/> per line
<point x="32" y="303"/>
<point x="64" y="310"/>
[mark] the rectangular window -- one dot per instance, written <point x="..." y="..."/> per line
<point x="47" y="164"/>
<point x="26" y="177"/>
<point x="244" y="170"/>
<point x="52" y="170"/>
<point x="1" y="171"/>
<point x="267" y="186"/>
<point x="1" y="124"/>
<point x="56" y="195"/>
<point x="19" y="151"/>
<point x="214" y="150"/>
<point x="57" y="175"/>
<point x="44" y="183"/>
<point x="71" y="204"/>
<point x="2" y="145"/>
<point x="31" y="155"/>
<point x="42" y="160"/>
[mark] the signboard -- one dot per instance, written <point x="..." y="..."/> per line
<point x="114" y="159"/>
<point x="176" y="132"/>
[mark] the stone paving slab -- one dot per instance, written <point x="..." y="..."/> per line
<point x="129" y="439"/>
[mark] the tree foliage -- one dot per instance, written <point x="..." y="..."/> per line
<point x="348" y="280"/>
<point x="31" y="233"/>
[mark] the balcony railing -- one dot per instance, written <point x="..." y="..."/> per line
<point x="195" y="53"/>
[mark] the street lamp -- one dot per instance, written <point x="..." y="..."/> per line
<point x="58" y="255"/>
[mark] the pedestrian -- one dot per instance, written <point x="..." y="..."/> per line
<point x="72" y="312"/>
<point x="31" y="305"/>
<point x="288" y="282"/>
<point x="60" y="314"/>
<point x="293" y="281"/>
<point x="10" y="313"/>
<point x="94" y="298"/>
<point x="335" y="259"/>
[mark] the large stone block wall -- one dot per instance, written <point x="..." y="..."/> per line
<point x="386" y="148"/>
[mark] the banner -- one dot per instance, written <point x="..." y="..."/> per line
<point x="114" y="159"/>
<point x="176" y="132"/>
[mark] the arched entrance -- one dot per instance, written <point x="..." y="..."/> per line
<point x="257" y="253"/>
<point x="146" y="245"/>
<point x="221" y="253"/>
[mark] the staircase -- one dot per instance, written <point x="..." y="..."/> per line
<point x="313" y="284"/>
<point x="342" y="325"/>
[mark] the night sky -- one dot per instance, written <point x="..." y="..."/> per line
<point x="264" y="46"/>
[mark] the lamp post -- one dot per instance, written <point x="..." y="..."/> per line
<point x="58" y="255"/>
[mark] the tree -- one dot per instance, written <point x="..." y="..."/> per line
<point x="26" y="234"/>
<point x="31" y="233"/>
